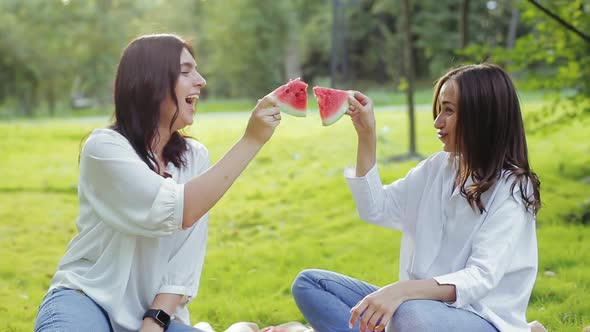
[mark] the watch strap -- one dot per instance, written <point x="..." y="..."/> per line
<point x="158" y="315"/>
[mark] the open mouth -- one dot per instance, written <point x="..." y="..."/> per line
<point x="192" y="100"/>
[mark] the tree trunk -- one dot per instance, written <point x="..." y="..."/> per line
<point x="381" y="72"/>
<point x="51" y="100"/>
<point x="24" y="97"/>
<point x="464" y="23"/>
<point x="511" y="37"/>
<point x="335" y="43"/>
<point x="339" y="55"/>
<point x="343" y="43"/>
<point x="292" y="62"/>
<point x="409" y="71"/>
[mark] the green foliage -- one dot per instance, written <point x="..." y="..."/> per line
<point x="53" y="51"/>
<point x="244" y="44"/>
<point x="315" y="35"/>
<point x="290" y="210"/>
<point x="553" y="56"/>
<point x="581" y="215"/>
<point x="550" y="56"/>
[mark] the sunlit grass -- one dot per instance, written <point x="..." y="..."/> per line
<point x="290" y="210"/>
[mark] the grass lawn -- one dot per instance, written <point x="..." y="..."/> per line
<point x="290" y="210"/>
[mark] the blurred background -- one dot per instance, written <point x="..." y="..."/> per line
<point x="58" y="57"/>
<point x="291" y="208"/>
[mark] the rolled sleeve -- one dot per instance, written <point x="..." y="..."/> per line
<point x="460" y="281"/>
<point x="176" y="289"/>
<point x="168" y="206"/>
<point x="124" y="192"/>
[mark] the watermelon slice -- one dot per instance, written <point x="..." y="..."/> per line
<point x="292" y="97"/>
<point x="333" y="103"/>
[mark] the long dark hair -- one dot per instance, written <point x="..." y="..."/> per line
<point x="147" y="73"/>
<point x="490" y="136"/>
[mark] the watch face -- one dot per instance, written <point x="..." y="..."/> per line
<point x="163" y="317"/>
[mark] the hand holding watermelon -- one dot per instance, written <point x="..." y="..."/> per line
<point x="291" y="98"/>
<point x="332" y="103"/>
<point x="360" y="110"/>
<point x="264" y="119"/>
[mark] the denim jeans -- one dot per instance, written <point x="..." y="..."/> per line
<point x="325" y="299"/>
<point x="71" y="310"/>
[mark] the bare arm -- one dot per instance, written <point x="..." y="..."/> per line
<point x="427" y="289"/>
<point x="363" y="119"/>
<point x="163" y="301"/>
<point x="382" y="304"/>
<point x="366" y="154"/>
<point x="202" y="192"/>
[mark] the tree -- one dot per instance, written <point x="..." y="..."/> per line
<point x="550" y="57"/>
<point x="338" y="53"/>
<point x="409" y="73"/>
<point x="464" y="23"/>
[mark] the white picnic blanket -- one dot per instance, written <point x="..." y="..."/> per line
<point x="253" y="327"/>
<point x="298" y="327"/>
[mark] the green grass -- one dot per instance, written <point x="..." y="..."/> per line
<point x="290" y="210"/>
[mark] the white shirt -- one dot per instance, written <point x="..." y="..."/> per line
<point x="130" y="244"/>
<point x="491" y="258"/>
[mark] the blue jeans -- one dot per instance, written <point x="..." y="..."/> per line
<point x="71" y="310"/>
<point x="325" y="299"/>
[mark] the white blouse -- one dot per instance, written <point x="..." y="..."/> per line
<point x="130" y="244"/>
<point x="491" y="258"/>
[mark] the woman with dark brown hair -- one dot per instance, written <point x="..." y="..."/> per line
<point x="145" y="191"/>
<point x="468" y="259"/>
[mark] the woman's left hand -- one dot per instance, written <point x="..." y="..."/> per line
<point x="377" y="308"/>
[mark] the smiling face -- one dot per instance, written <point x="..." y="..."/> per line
<point x="187" y="91"/>
<point x="446" y="120"/>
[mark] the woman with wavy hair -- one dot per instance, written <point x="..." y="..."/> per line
<point x="144" y="191"/>
<point x="468" y="259"/>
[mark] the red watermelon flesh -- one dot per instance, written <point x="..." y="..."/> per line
<point x="333" y="103"/>
<point x="292" y="97"/>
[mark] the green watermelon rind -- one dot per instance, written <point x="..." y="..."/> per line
<point x="291" y="111"/>
<point x="286" y="108"/>
<point x="336" y="116"/>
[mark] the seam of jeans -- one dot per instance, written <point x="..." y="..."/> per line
<point x="346" y="286"/>
<point x="51" y="310"/>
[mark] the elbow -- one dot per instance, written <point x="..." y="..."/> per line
<point x="369" y="215"/>
<point x="373" y="217"/>
<point x="189" y="219"/>
<point x="188" y="222"/>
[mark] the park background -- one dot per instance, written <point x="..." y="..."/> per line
<point x="291" y="209"/>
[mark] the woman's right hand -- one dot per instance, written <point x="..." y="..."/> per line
<point x="264" y="119"/>
<point x="360" y="110"/>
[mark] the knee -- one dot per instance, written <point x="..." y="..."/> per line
<point x="305" y="279"/>
<point x="412" y="316"/>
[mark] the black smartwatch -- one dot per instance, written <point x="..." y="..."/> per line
<point x="159" y="315"/>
